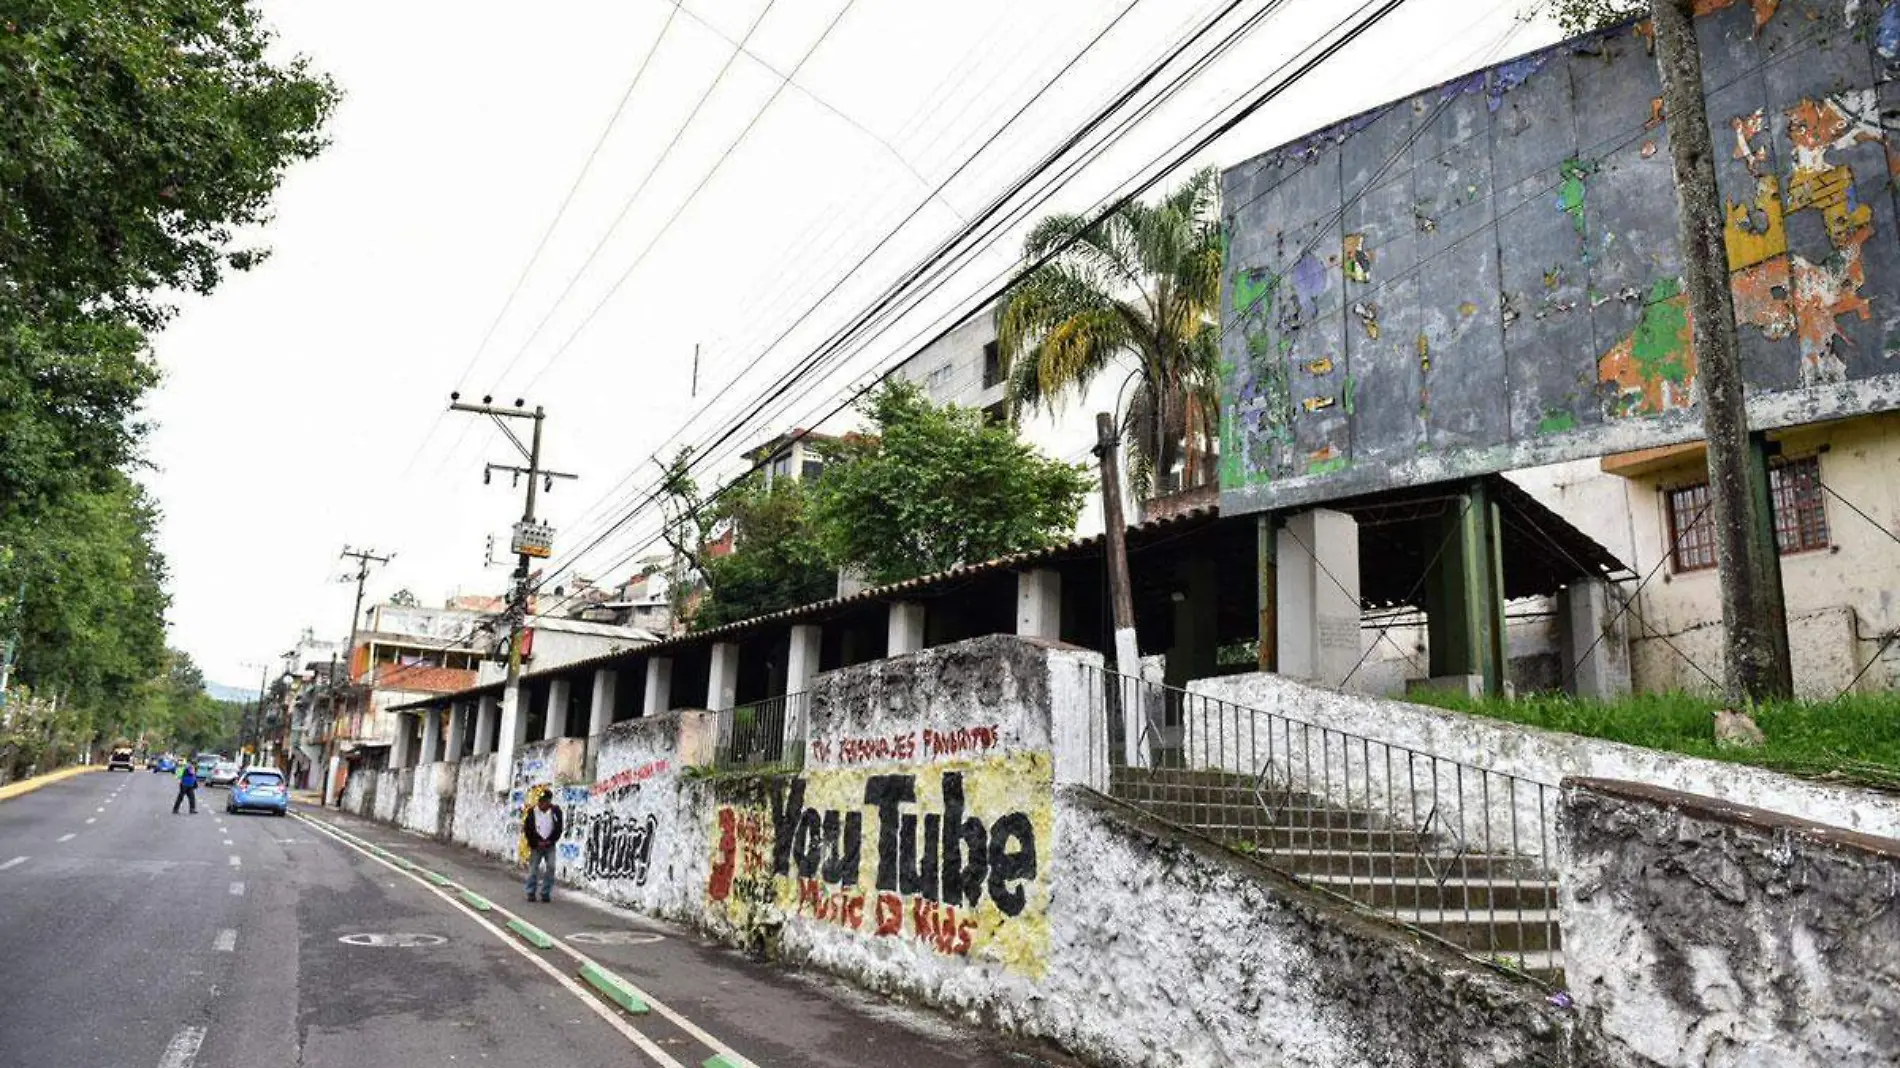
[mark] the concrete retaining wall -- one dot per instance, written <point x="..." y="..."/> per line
<point x="1700" y="934"/>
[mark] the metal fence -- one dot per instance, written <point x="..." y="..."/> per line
<point x="753" y="735"/>
<point x="1457" y="852"/>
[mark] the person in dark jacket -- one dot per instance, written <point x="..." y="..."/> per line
<point x="542" y="824"/>
<point x="187" y="788"/>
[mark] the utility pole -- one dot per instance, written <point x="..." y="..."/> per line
<point x="245" y="727"/>
<point x="1755" y="664"/>
<point x="364" y="558"/>
<point x="531" y="541"/>
<point x="1121" y="598"/>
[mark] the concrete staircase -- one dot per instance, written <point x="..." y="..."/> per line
<point x="1492" y="906"/>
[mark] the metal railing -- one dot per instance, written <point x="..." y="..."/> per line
<point x="1457" y="852"/>
<point x="754" y="735"/>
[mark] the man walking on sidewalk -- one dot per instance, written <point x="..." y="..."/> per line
<point x="543" y="826"/>
<point x="187" y="788"/>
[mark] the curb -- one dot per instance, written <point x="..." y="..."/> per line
<point x="27" y="786"/>
<point x="614" y="987"/>
<point x="477" y="901"/>
<point x="532" y="934"/>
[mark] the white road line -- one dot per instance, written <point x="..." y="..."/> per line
<point x="227" y="841"/>
<point x="100" y="810"/>
<point x="67" y="837"/>
<point x="607" y="1012"/>
<point x="92" y="819"/>
<point x="227" y="941"/>
<point x="237" y="889"/>
<point x="15" y="862"/>
<point x="183" y="1050"/>
<point x="237" y="862"/>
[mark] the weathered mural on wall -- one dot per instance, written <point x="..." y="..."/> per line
<point x="1487" y="276"/>
<point x="943" y="846"/>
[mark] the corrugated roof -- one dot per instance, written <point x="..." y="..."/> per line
<point x="1168" y="526"/>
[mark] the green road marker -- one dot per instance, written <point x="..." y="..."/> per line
<point x="614" y="987"/>
<point x="718" y="1060"/>
<point x="534" y="935"/>
<point x="476" y="900"/>
<point x="437" y="879"/>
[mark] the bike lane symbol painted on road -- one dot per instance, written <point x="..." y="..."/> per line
<point x="615" y="938"/>
<point x="398" y="940"/>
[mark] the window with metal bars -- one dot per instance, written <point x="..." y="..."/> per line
<point x="1800" y="517"/>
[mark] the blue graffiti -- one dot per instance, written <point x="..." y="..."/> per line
<point x="1887" y="35"/>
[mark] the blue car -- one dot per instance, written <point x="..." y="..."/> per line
<point x="261" y="790"/>
<point x="165" y="764"/>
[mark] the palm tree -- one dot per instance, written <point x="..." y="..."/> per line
<point x="1142" y="282"/>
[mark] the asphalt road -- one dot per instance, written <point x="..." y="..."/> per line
<point x="135" y="937"/>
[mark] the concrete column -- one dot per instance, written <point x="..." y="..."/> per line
<point x="906" y="628"/>
<point x="722" y="676"/>
<point x="555" y="725"/>
<point x="801" y="667"/>
<point x="1593" y="636"/>
<point x="1039" y="604"/>
<point x="514" y="734"/>
<point x="431" y="736"/>
<point x="1318" y="578"/>
<point x="400" y="752"/>
<point x="601" y="714"/>
<point x="485" y="724"/>
<point x="659" y="695"/>
<point x="1464" y="596"/>
<point x="458" y="731"/>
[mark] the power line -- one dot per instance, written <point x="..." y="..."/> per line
<point x="560" y="212"/>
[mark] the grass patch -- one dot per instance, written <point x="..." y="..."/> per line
<point x="1854" y="739"/>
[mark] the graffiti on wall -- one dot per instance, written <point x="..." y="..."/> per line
<point x="1487" y="274"/>
<point x="950" y="855"/>
<point x="620" y="847"/>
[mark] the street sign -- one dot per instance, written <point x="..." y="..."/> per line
<point x="533" y="539"/>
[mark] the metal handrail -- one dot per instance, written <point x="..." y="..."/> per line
<point x="755" y="734"/>
<point x="1456" y="851"/>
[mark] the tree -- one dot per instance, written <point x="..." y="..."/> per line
<point x="930" y="488"/>
<point x="136" y="138"/>
<point x="778" y="559"/>
<point x="404" y="598"/>
<point x="1582" y="16"/>
<point x="1141" y="283"/>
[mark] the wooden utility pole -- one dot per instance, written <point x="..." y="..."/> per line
<point x="364" y="558"/>
<point x="1755" y="661"/>
<point x="529" y="544"/>
<point x="1121" y="598"/>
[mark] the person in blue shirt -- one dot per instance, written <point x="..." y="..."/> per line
<point x="187" y="788"/>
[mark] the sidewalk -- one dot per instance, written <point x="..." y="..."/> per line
<point x="26" y="786"/>
<point x="771" y="1015"/>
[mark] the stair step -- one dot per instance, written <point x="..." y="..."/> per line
<point x="1424" y="892"/>
<point x="1301" y="860"/>
<point x="1247" y="812"/>
<point x="1360" y="840"/>
<point x="1487" y="934"/>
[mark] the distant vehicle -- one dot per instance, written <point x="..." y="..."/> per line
<point x="223" y="773"/>
<point x="205" y="762"/>
<point x="166" y="764"/>
<point x="261" y="789"/>
<point x="121" y="760"/>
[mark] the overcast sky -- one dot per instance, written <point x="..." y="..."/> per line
<point x="302" y="403"/>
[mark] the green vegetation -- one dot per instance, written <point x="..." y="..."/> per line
<point x="924" y="489"/>
<point x="930" y="488"/>
<point x="1582" y="16"/>
<point x="138" y="138"/>
<point x="1855" y="738"/>
<point x="1142" y="282"/>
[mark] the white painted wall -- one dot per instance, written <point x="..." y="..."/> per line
<point x="1831" y="594"/>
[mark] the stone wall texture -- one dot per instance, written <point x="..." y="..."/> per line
<point x="1698" y="933"/>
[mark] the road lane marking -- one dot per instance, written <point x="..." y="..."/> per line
<point x="16" y="861"/>
<point x="237" y="889"/>
<point x="227" y="941"/>
<point x="67" y="837"/>
<point x="100" y="810"/>
<point x="237" y="862"/>
<point x="92" y="819"/>
<point x="600" y="1008"/>
<point x="183" y="1050"/>
<point x="227" y="841"/>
